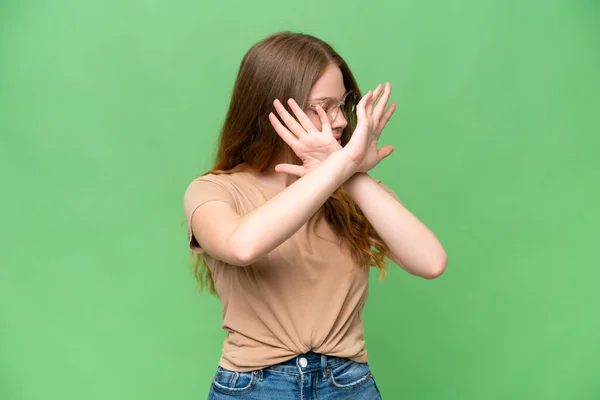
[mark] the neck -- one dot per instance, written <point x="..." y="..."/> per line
<point x="278" y="180"/>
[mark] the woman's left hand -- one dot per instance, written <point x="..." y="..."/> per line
<point x="313" y="146"/>
<point x="307" y="142"/>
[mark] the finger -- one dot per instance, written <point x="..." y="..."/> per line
<point x="325" y="124"/>
<point x="385" y="151"/>
<point x="361" y="114"/>
<point x="287" y="118"/>
<point x="282" y="131"/>
<point x="306" y="123"/>
<point x="291" y="169"/>
<point x="387" y="115"/>
<point x="381" y="104"/>
<point x="377" y="92"/>
<point x="371" y="103"/>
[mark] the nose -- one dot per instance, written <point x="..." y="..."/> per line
<point x="339" y="121"/>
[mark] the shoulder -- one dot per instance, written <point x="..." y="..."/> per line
<point x="234" y="188"/>
<point x="216" y="179"/>
<point x="231" y="182"/>
<point x="207" y="188"/>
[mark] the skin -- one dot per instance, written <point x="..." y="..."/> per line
<point x="303" y="189"/>
<point x="314" y="138"/>
<point x="303" y="135"/>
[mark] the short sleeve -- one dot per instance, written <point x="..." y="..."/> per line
<point x="201" y="191"/>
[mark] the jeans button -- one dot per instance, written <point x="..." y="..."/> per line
<point x="303" y="363"/>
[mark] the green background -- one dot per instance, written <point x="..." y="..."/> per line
<point x="108" y="109"/>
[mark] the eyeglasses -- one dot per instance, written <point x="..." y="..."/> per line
<point x="331" y="105"/>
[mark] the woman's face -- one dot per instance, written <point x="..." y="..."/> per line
<point x="329" y="85"/>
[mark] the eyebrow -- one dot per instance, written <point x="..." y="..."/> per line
<point x="328" y="97"/>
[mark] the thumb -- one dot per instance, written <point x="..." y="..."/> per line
<point x="291" y="169"/>
<point x="385" y="151"/>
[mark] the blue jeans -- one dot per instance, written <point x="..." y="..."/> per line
<point x="308" y="376"/>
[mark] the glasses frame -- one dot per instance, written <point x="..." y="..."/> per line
<point x="340" y="104"/>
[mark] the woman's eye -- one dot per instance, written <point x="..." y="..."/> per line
<point x="329" y="105"/>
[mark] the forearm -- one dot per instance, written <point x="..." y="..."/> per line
<point x="271" y="224"/>
<point x="412" y="245"/>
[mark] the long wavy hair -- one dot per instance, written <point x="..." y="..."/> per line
<point x="281" y="66"/>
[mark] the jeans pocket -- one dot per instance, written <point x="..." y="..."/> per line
<point x="234" y="383"/>
<point x="349" y="375"/>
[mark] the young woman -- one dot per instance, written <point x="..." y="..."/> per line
<point x="288" y="223"/>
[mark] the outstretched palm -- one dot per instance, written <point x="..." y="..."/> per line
<point x="308" y="143"/>
<point x="372" y="117"/>
<point x="313" y="146"/>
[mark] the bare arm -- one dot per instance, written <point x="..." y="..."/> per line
<point x="413" y="246"/>
<point x="237" y="240"/>
<point x="241" y="240"/>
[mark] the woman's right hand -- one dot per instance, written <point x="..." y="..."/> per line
<point x="371" y="119"/>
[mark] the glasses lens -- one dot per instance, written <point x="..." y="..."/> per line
<point x="331" y="107"/>
<point x="350" y="105"/>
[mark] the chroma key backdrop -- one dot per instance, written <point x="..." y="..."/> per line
<point x="108" y="109"/>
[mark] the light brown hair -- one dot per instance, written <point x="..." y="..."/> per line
<point x="282" y="66"/>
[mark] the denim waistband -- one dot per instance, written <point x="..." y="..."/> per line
<point x="305" y="363"/>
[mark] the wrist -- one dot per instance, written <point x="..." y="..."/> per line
<point x="355" y="181"/>
<point x="345" y="167"/>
